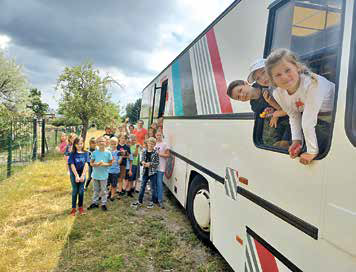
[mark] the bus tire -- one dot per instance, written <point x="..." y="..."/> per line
<point x="198" y="208"/>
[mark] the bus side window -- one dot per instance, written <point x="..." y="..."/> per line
<point x="350" y="113"/>
<point x="312" y="30"/>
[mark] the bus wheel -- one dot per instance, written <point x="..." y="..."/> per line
<point x="198" y="208"/>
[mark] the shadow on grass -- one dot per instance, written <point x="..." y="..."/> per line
<point x="127" y="239"/>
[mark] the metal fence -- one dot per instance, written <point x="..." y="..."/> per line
<point x="23" y="140"/>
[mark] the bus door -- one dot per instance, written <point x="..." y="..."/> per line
<point x="163" y="99"/>
<point x="159" y="100"/>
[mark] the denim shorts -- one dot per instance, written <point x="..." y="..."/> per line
<point x="134" y="173"/>
<point x="112" y="179"/>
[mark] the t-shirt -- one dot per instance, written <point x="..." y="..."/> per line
<point x="133" y="150"/>
<point x="115" y="168"/>
<point x="162" y="147"/>
<point x="140" y="135"/>
<point x="122" y="149"/>
<point x="79" y="160"/>
<point x="101" y="172"/>
<point x="62" y="147"/>
<point x="148" y="159"/>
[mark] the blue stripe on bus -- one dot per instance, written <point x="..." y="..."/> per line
<point x="177" y="90"/>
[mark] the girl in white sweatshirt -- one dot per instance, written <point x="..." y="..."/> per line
<point x="300" y="91"/>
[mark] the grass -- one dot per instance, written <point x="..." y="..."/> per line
<point x="37" y="233"/>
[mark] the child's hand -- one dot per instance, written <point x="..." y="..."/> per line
<point x="148" y="164"/>
<point x="295" y="149"/>
<point x="130" y="173"/>
<point x="266" y="96"/>
<point x="81" y="179"/>
<point x="273" y="122"/>
<point x="77" y="179"/>
<point x="307" y="158"/>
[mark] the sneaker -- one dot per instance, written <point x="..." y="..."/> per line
<point x="129" y="194"/>
<point x="103" y="207"/>
<point x="161" y="205"/>
<point x="81" y="211"/>
<point x="150" y="205"/>
<point x="136" y="204"/>
<point x="93" y="206"/>
<point x="73" y="212"/>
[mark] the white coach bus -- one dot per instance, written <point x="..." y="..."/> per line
<point x="262" y="210"/>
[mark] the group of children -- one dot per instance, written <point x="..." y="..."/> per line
<point x="296" y="100"/>
<point x="116" y="165"/>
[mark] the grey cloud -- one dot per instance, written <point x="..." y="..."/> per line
<point x="110" y="33"/>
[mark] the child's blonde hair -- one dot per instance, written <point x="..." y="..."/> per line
<point x="282" y="53"/>
<point x="72" y="137"/>
<point x="114" y="140"/>
<point x="151" y="140"/>
<point x="92" y="140"/>
<point x="64" y="135"/>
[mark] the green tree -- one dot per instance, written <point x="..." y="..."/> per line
<point x="85" y="95"/>
<point x="133" y="111"/>
<point x="13" y="85"/>
<point x="36" y="105"/>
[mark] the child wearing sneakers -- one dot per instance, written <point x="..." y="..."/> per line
<point x="114" y="169"/>
<point x="135" y="148"/>
<point x="150" y="163"/>
<point x="92" y="148"/>
<point x="78" y="165"/>
<point x="100" y="161"/>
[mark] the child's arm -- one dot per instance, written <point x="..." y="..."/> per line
<point x="94" y="164"/>
<point x="275" y="116"/>
<point x="136" y="151"/>
<point x="109" y="163"/>
<point x="270" y="100"/>
<point x="119" y="161"/>
<point x="74" y="170"/>
<point x="165" y="154"/>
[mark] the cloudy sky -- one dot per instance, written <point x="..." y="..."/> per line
<point x="130" y="40"/>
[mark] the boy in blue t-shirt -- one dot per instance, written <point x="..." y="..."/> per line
<point x="100" y="161"/>
<point x="114" y="169"/>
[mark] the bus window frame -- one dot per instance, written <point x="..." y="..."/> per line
<point x="351" y="85"/>
<point x="259" y="122"/>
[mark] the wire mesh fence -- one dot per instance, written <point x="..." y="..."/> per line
<point x="23" y="140"/>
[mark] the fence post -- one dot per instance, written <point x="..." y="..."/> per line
<point x="56" y="136"/>
<point x="34" y="151"/>
<point x="9" y="151"/>
<point x="43" y="139"/>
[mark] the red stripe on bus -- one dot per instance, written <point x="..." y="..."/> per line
<point x="239" y="240"/>
<point x="243" y="180"/>
<point x="221" y="86"/>
<point x="267" y="260"/>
